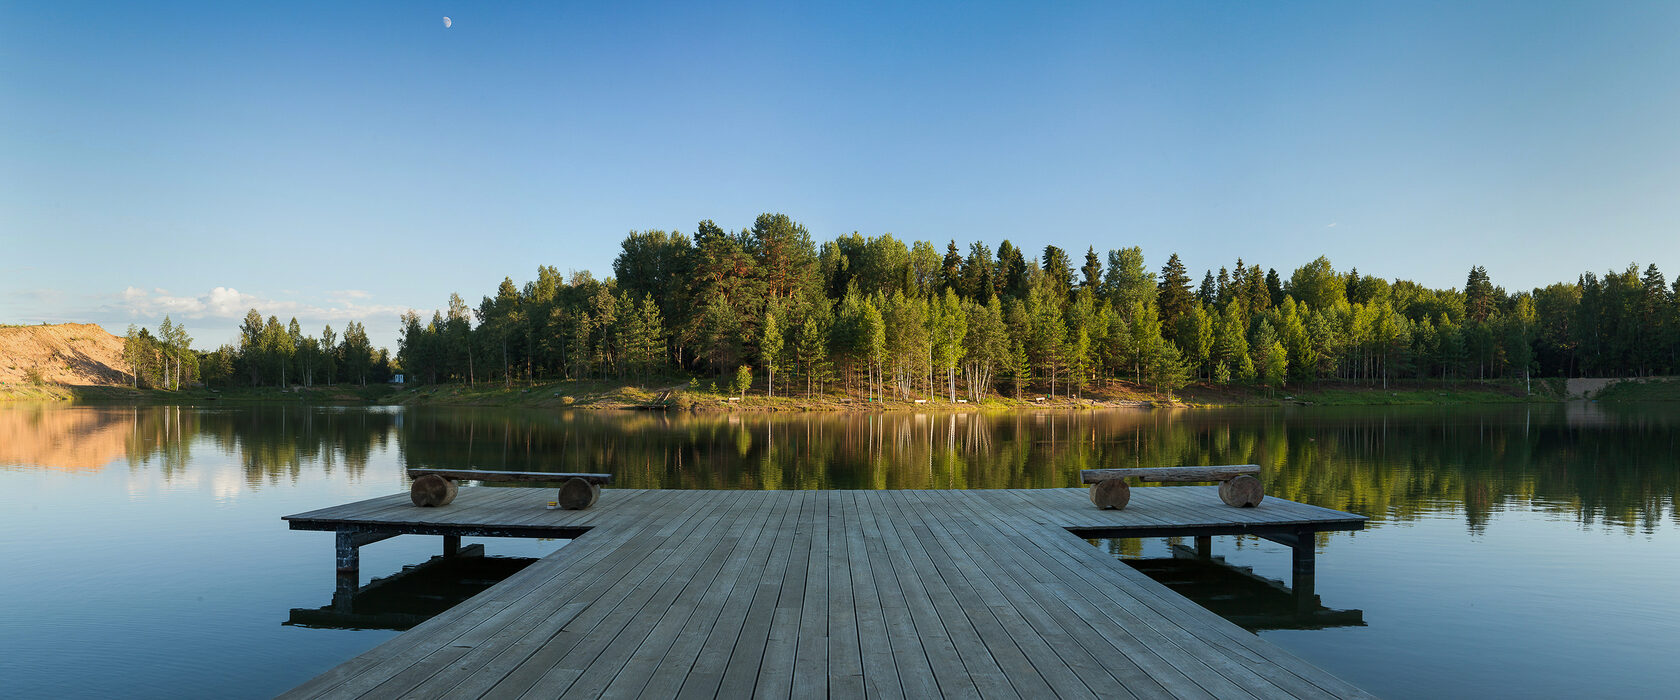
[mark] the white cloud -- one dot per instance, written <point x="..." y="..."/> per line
<point x="226" y="301"/>
<point x="230" y="303"/>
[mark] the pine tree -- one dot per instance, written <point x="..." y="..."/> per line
<point x="979" y="274"/>
<point x="1174" y="298"/>
<point x="1256" y="298"/>
<point x="1230" y="345"/>
<point x="1058" y="273"/>
<point x="651" y="348"/>
<point x="1091" y="271"/>
<point x="1478" y="294"/>
<point x="1274" y="287"/>
<point x="950" y="272"/>
<point x="1208" y="293"/>
<point x="1012" y="272"/>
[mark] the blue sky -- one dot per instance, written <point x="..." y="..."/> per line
<point x="349" y="161"/>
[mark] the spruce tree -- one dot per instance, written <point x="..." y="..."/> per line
<point x="1091" y="271"/>
<point x="1174" y="298"/>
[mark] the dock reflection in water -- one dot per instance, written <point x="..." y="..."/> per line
<point x="1241" y="596"/>
<point x="411" y="596"/>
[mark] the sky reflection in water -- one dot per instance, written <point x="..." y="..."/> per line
<point x="1511" y="549"/>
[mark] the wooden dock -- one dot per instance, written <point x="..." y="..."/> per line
<point x="895" y="594"/>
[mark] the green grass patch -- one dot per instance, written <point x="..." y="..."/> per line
<point x="1665" y="389"/>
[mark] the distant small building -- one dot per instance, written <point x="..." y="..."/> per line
<point x="396" y="379"/>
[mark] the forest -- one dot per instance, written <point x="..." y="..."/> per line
<point x="768" y="307"/>
<point x="880" y="318"/>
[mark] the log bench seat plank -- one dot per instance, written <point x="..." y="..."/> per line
<point x="483" y="475"/>
<point x="1219" y="473"/>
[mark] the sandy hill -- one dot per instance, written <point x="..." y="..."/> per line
<point x="78" y="354"/>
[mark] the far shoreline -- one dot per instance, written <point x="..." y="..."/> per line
<point x="609" y="395"/>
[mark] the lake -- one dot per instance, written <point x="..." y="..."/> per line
<point x="1512" y="550"/>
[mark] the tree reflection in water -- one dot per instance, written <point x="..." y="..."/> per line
<point x="1608" y="465"/>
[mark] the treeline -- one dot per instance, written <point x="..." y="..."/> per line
<point x="268" y="354"/>
<point x="160" y="361"/>
<point x="876" y="317"/>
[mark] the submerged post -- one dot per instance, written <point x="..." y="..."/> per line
<point x="1204" y="547"/>
<point x="451" y="545"/>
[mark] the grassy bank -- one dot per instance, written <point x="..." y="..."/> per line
<point x="1664" y="389"/>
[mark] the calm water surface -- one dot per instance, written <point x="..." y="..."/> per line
<point x="1512" y="550"/>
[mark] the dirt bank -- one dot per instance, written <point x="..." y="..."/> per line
<point x="72" y="354"/>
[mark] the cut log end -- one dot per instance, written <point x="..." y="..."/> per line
<point x="577" y="494"/>
<point x="432" y="490"/>
<point x="1242" y="492"/>
<point x="1113" y="493"/>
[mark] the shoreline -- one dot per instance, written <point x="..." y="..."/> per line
<point x="605" y="395"/>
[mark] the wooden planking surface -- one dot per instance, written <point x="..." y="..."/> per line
<point x="848" y="594"/>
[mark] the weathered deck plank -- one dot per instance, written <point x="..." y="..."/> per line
<point x="851" y="594"/>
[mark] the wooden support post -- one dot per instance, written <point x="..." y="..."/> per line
<point x="348" y="553"/>
<point x="1204" y="547"/>
<point x="1303" y="573"/>
<point x="451" y="545"/>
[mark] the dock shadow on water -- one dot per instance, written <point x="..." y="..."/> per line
<point x="413" y="595"/>
<point x="1238" y="594"/>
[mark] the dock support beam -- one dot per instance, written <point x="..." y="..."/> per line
<point x="1204" y="547"/>
<point x="1303" y="573"/>
<point x="451" y="545"/>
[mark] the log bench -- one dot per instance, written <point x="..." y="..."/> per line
<point x="437" y="487"/>
<point x="1239" y="485"/>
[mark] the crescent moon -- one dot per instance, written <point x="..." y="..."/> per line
<point x="447" y="23"/>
